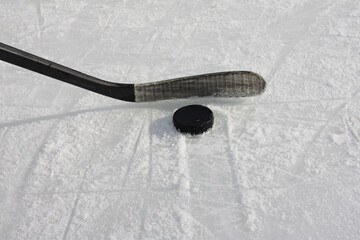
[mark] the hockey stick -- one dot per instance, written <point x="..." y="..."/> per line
<point x="222" y="84"/>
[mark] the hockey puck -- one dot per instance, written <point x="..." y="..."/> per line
<point x="193" y="119"/>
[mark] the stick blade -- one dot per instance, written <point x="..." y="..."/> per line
<point x="223" y="84"/>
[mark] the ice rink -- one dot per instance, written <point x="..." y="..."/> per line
<point x="283" y="165"/>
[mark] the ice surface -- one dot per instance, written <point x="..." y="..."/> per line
<point x="284" y="165"/>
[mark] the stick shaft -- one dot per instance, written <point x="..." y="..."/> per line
<point x="45" y="67"/>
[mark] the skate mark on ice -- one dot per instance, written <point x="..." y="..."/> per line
<point x="232" y="156"/>
<point x="355" y="93"/>
<point x="254" y="35"/>
<point x="136" y="144"/>
<point x="152" y="36"/>
<point x="205" y="182"/>
<point x="105" y="192"/>
<point x="351" y="129"/>
<point x="43" y="27"/>
<point x="294" y="175"/>
<point x="219" y="35"/>
<point x="40" y="19"/>
<point x="79" y="193"/>
<point x="299" y="164"/>
<point x="18" y="192"/>
<point x="297" y="37"/>
<point x="144" y="210"/>
<point x="72" y="214"/>
<point x="217" y="211"/>
<point x="144" y="213"/>
<point x="185" y="43"/>
<point x="74" y="208"/>
<point x="3" y="133"/>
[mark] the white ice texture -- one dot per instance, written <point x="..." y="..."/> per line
<point x="283" y="165"/>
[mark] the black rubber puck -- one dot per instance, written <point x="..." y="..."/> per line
<point x="193" y="119"/>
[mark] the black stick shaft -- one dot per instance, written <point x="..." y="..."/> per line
<point x="40" y="65"/>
